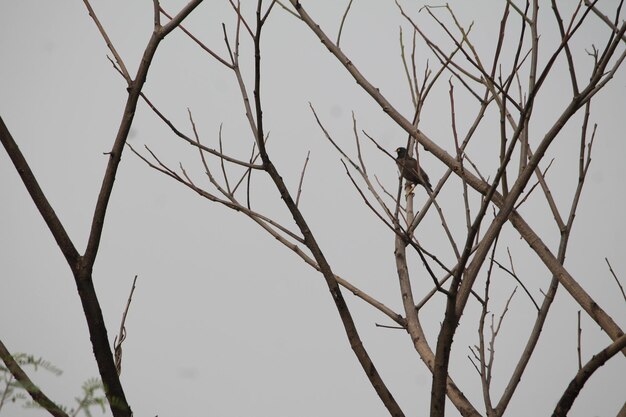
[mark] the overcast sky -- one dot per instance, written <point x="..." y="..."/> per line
<point x="225" y="321"/>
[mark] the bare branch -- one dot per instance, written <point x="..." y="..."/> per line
<point x="579" y="334"/>
<point x="361" y="169"/>
<point x="519" y="11"/>
<point x="118" y="58"/>
<point x="36" y="193"/>
<point x="459" y="158"/>
<point x="267" y="12"/>
<point x="237" y="9"/>
<point x="581" y="377"/>
<point x="156" y="13"/>
<point x="605" y="18"/>
<point x="343" y="20"/>
<point x="256" y="125"/>
<point x="288" y="10"/>
<point x="514" y="275"/>
<point x="198" y="42"/>
<point x="417" y="334"/>
<point x="193" y="142"/>
<point x="121" y="336"/>
<point x="161" y="167"/>
<point x="306" y="161"/>
<point x="365" y="200"/>
<point x="616" y="279"/>
<point x="406" y="69"/>
<point x="568" y="52"/>
<point x="26" y="383"/>
<point x="221" y="159"/>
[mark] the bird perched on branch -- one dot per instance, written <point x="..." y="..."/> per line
<point x="410" y="170"/>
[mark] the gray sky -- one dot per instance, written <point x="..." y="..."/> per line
<point x="225" y="321"/>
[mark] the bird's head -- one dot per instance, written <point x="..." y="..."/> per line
<point x="401" y="152"/>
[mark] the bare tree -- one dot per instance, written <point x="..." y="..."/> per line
<point x="506" y="87"/>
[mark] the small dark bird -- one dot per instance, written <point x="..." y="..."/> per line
<point x="411" y="171"/>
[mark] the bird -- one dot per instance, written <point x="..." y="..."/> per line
<point x="411" y="171"/>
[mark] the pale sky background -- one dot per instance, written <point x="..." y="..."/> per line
<point x="225" y="321"/>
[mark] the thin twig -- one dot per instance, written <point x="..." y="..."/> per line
<point x="106" y="38"/>
<point x="306" y="161"/>
<point x="288" y="10"/>
<point x="616" y="279"/>
<point x="267" y="12"/>
<point x="360" y="169"/>
<point x="198" y="42"/>
<point x="121" y="336"/>
<point x="221" y="159"/>
<point x="343" y="20"/>
<point x="193" y="142"/>
<point x="578" y="349"/>
<point x="406" y="70"/>
<point x="390" y="327"/>
<point x="512" y="274"/>
<point x="237" y="9"/>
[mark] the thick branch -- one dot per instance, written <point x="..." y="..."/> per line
<point x="578" y="382"/>
<point x="416" y="332"/>
<point x="32" y="186"/>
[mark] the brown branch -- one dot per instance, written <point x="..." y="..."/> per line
<point x="232" y="204"/>
<point x="581" y="377"/>
<point x="246" y="175"/>
<point x="485" y="371"/>
<point x="20" y="376"/>
<point x="568" y="53"/>
<point x="264" y="222"/>
<point x="306" y="161"/>
<point x="198" y="42"/>
<point x="82" y="272"/>
<point x="578" y="350"/>
<point x="310" y="241"/>
<point x="118" y="58"/>
<point x="221" y="151"/>
<point x="343" y="20"/>
<point x="288" y="10"/>
<point x="604" y="17"/>
<point x="417" y="334"/>
<point x="616" y="279"/>
<point x="237" y="9"/>
<point x="565" y="230"/>
<point x="360" y="168"/>
<point x="129" y="112"/>
<point x="156" y="6"/>
<point x="412" y="81"/>
<point x="459" y="158"/>
<point x="192" y="141"/>
<point x="267" y="12"/>
<point x="121" y="336"/>
<point x="494" y="335"/>
<point x="514" y="275"/>
<point x="365" y="200"/>
<point x="41" y="202"/>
